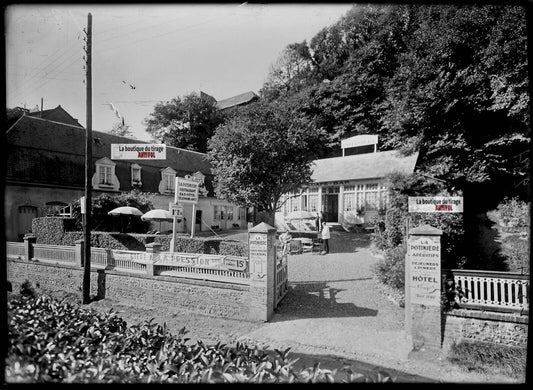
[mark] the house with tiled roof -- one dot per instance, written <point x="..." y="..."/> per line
<point x="350" y="189"/>
<point x="57" y="114"/>
<point x="45" y="172"/>
<point x="238" y="100"/>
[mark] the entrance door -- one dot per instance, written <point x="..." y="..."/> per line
<point x="26" y="215"/>
<point x="330" y="203"/>
<point x="198" y="226"/>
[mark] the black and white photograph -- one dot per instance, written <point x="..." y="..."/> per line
<point x="266" y="193"/>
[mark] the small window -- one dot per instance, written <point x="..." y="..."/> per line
<point x="136" y="175"/>
<point x="104" y="175"/>
<point x="167" y="183"/>
<point x="229" y="211"/>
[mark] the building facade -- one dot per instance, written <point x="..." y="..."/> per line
<point x="45" y="171"/>
<point x="349" y="190"/>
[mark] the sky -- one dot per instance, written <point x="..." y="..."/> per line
<point x="144" y="54"/>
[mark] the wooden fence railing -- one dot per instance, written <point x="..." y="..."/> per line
<point x="54" y="253"/>
<point x="15" y="250"/>
<point x="491" y="290"/>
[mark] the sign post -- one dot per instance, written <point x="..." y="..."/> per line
<point x="186" y="191"/>
<point x="423" y="272"/>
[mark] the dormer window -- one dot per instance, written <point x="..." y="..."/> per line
<point x="136" y="175"/>
<point x="104" y="176"/>
<point x="168" y="179"/>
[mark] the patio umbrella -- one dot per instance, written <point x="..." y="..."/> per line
<point x="158" y="215"/>
<point x="126" y="210"/>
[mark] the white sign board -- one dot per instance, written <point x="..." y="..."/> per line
<point x="138" y="152"/>
<point x="359" y="140"/>
<point x="435" y="204"/>
<point x="186" y="190"/>
<point x="82" y="205"/>
<point x="424" y="270"/>
<point x="176" y="210"/>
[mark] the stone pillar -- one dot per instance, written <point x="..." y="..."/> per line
<point x="262" y="259"/>
<point x="29" y="240"/>
<point x="423" y="311"/>
<point x="152" y="256"/>
<point x="79" y="252"/>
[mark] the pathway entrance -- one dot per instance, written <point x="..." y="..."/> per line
<point x="333" y="304"/>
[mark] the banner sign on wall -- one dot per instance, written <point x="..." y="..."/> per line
<point x="138" y="152"/>
<point x="435" y="204"/>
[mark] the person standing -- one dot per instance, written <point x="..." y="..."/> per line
<point x="325" y="238"/>
<point x="318" y="222"/>
<point x="285" y="239"/>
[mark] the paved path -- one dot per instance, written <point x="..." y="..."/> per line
<point x="334" y="311"/>
<point x="333" y="303"/>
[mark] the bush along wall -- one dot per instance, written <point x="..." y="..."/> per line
<point x="55" y="231"/>
<point x="51" y="230"/>
<point x="391" y="230"/>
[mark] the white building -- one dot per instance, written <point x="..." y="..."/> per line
<point x="350" y="189"/>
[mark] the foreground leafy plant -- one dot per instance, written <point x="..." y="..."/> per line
<point x="56" y="341"/>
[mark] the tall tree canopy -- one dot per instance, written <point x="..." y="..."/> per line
<point x="450" y="81"/>
<point x="262" y="152"/>
<point x="185" y="122"/>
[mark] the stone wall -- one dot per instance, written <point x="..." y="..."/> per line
<point x="170" y="293"/>
<point x="490" y="327"/>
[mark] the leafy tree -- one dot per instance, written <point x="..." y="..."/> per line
<point x="185" y="122"/>
<point x="447" y="98"/>
<point x="263" y="152"/>
<point x="292" y="71"/>
<point x="449" y="81"/>
<point x="122" y="129"/>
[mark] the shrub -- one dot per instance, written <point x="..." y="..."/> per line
<point x="391" y="269"/>
<point x="489" y="358"/>
<point x="516" y="253"/>
<point x="400" y="188"/>
<point x="514" y="214"/>
<point x="104" y="203"/>
<point x="56" y="341"/>
<point x="50" y="230"/>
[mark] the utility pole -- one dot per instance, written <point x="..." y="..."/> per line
<point x="88" y="171"/>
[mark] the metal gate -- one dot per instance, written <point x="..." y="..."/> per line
<point x="281" y="280"/>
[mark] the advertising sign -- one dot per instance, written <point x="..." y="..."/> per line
<point x="176" y="210"/>
<point x="359" y="140"/>
<point x="424" y="270"/>
<point x="186" y="190"/>
<point x="138" y="152"/>
<point x="228" y="263"/>
<point x="435" y="204"/>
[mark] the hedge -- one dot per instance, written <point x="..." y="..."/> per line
<point x="51" y="341"/>
<point x="55" y="231"/>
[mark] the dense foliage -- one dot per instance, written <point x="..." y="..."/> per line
<point x="449" y="81"/>
<point x="396" y="216"/>
<point x="59" y="342"/>
<point x="261" y="153"/>
<point x="185" y="122"/>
